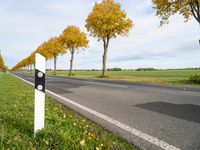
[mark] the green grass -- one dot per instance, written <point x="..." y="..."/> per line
<point x="169" y="77"/>
<point x="64" y="129"/>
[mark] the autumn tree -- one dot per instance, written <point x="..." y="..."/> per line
<point x="54" y="48"/>
<point x="107" y="20"/>
<point x="73" y="39"/>
<point x="167" y="8"/>
<point x="2" y="65"/>
<point x="1" y="61"/>
<point x="42" y="49"/>
<point x="32" y="60"/>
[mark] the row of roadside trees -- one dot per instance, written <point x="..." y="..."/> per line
<point x="70" y="40"/>
<point x="106" y="21"/>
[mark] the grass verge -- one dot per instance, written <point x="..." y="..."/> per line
<point x="64" y="128"/>
<point x="166" y="77"/>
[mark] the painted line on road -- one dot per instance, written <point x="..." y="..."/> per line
<point x="142" y="135"/>
<point x="112" y="85"/>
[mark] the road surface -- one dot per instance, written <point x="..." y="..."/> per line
<point x="149" y="116"/>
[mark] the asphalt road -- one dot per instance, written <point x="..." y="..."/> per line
<point x="170" y="114"/>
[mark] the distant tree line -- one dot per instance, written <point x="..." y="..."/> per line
<point x="114" y="69"/>
<point x="197" y="68"/>
<point x="122" y="69"/>
<point x="145" y="69"/>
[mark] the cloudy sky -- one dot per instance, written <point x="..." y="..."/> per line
<point x="24" y="25"/>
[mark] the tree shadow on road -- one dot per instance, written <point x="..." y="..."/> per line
<point x="187" y="112"/>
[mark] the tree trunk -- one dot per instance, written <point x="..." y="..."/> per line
<point x="31" y="67"/>
<point x="54" y="65"/>
<point x="105" y="43"/>
<point x="104" y="62"/>
<point x="71" y="62"/>
<point x="195" y="9"/>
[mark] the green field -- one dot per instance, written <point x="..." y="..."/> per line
<point x="64" y="129"/>
<point x="169" y="77"/>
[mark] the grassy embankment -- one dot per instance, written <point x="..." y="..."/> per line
<point x="64" y="129"/>
<point x="169" y="77"/>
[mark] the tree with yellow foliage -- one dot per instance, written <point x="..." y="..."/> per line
<point x="1" y="61"/>
<point x="42" y="49"/>
<point x="107" y="20"/>
<point x="167" y="8"/>
<point x="54" y="48"/>
<point x="2" y="65"/>
<point x="73" y="39"/>
<point x="32" y="60"/>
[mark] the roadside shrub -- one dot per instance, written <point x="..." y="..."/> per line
<point x="195" y="78"/>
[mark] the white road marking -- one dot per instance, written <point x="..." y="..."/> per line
<point x="142" y="135"/>
<point x="112" y="85"/>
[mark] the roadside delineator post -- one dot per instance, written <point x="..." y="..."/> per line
<point x="39" y="107"/>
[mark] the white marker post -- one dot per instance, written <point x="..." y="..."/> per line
<point x="39" y="93"/>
